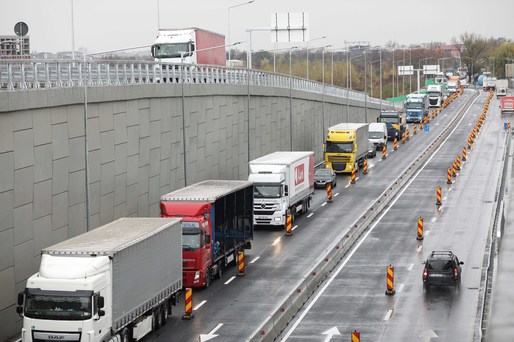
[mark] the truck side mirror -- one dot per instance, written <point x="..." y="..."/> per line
<point x="207" y="241"/>
<point x="153" y="49"/>
<point x="101" y="313"/>
<point x="378" y="119"/>
<point x="19" y="310"/>
<point x="20" y="298"/>
<point x="101" y="302"/>
<point x="286" y="190"/>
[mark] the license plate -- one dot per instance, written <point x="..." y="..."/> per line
<point x="436" y="275"/>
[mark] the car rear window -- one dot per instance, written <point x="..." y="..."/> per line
<point x="322" y="172"/>
<point x="440" y="265"/>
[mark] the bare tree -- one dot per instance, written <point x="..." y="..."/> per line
<point x="473" y="48"/>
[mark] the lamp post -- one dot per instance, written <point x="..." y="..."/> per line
<point x="72" y="33"/>
<point x="442" y="59"/>
<point x="371" y="75"/>
<point x="397" y="75"/>
<point x="228" y="15"/>
<point x="291" y="98"/>
<point x="492" y="60"/>
<point x="319" y="38"/>
<point x="471" y="79"/>
<point x="323" y="89"/>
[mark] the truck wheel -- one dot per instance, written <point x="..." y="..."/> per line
<point x="125" y="336"/>
<point x="157" y="319"/>
<point x="207" y="278"/>
<point x="165" y="312"/>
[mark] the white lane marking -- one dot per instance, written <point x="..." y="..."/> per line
<point x="450" y="189"/>
<point x="276" y="241"/>
<point x="357" y="178"/>
<point x="420" y="248"/>
<point x="400" y="289"/>
<point x="215" y="329"/>
<point x="228" y="281"/>
<point x="388" y="315"/>
<point x="427" y="232"/>
<point x="371" y="166"/>
<point x="254" y="260"/>
<point x="347" y="185"/>
<point x="310" y="214"/>
<point x="445" y="198"/>
<point x="433" y="219"/>
<point x="411" y="266"/>
<point x="294" y="227"/>
<point x="337" y="194"/>
<point x="324" y="204"/>
<point x="199" y="305"/>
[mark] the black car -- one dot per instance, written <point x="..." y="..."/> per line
<point x="372" y="150"/>
<point x="322" y="177"/>
<point x="442" y="268"/>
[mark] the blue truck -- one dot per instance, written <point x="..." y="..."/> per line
<point x="395" y="121"/>
<point x="416" y="107"/>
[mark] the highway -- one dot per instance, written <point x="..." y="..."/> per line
<point x="355" y="300"/>
<point x="234" y="308"/>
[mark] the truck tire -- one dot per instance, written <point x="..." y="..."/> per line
<point x="125" y="336"/>
<point x="165" y="311"/>
<point x="207" y="278"/>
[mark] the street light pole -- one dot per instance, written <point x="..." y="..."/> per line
<point x="319" y="38"/>
<point x="228" y="15"/>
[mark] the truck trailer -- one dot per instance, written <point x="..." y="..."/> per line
<point x="346" y="146"/>
<point x="507" y="105"/>
<point x="189" y="46"/>
<point x="217" y="222"/>
<point x="501" y="88"/>
<point x="117" y="281"/>
<point x="283" y="183"/>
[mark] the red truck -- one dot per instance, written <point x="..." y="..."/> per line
<point x="189" y="46"/>
<point x="507" y="105"/>
<point x="217" y="222"/>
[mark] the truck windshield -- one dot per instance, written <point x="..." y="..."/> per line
<point x="389" y="120"/>
<point x="434" y="94"/>
<point x="339" y="147"/>
<point x="191" y="238"/>
<point x="171" y="50"/>
<point x="58" y="305"/>
<point x="267" y="191"/>
<point x="376" y="135"/>
<point x="414" y="105"/>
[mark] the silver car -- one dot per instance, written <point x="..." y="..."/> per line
<point x="322" y="177"/>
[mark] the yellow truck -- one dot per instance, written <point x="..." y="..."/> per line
<point x="346" y="146"/>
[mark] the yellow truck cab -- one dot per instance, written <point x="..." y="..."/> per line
<point x="346" y="146"/>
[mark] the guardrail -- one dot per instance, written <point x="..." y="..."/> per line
<point x="20" y="75"/>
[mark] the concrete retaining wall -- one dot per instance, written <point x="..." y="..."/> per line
<point x="135" y="154"/>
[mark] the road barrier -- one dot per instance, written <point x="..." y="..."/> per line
<point x="449" y="177"/>
<point x="395" y="145"/>
<point x="354" y="178"/>
<point x="420" y="229"/>
<point x="390" y="281"/>
<point x="188" y="304"/>
<point x="463" y="154"/>
<point x="356" y="336"/>
<point x="289" y="224"/>
<point x="403" y="138"/>
<point x="329" y="192"/>
<point x="457" y="163"/>
<point x="407" y="134"/>
<point x="438" y="197"/>
<point x="415" y="130"/>
<point x="283" y="313"/>
<point x="365" y="167"/>
<point x="454" y="169"/>
<point x="240" y="264"/>
<point x="384" y="152"/>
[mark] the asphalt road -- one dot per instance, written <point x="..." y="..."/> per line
<point x="234" y="307"/>
<point x="354" y="296"/>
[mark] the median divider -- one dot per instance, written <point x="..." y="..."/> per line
<point x="277" y="321"/>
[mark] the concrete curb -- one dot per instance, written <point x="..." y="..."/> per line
<point x="271" y="328"/>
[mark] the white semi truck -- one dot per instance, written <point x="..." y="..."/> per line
<point x="283" y="181"/>
<point x="116" y="282"/>
<point x="435" y="95"/>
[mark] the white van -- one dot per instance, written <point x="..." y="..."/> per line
<point x="378" y="134"/>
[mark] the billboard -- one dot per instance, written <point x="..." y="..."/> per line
<point x="289" y="27"/>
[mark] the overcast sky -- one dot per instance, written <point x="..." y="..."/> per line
<point x="102" y="25"/>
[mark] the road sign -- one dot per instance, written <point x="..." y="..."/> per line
<point x="426" y="128"/>
<point x="21" y="29"/>
<point x="506" y="126"/>
<point x="431" y="69"/>
<point x="405" y="70"/>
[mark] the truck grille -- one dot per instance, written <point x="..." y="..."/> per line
<point x="263" y="212"/>
<point x="265" y="207"/>
<point x="339" y="159"/>
<point x="338" y="167"/>
<point x="263" y="221"/>
<point x="44" y="336"/>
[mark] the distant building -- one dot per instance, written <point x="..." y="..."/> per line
<point x="14" y="47"/>
<point x="451" y="49"/>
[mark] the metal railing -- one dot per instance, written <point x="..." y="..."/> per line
<point x="17" y="75"/>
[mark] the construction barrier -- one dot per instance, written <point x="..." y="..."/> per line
<point x="420" y="228"/>
<point x="438" y="197"/>
<point x="420" y="126"/>
<point x="390" y="281"/>
<point x="449" y="178"/>
<point x="188" y="304"/>
<point x="403" y="138"/>
<point x="395" y="144"/>
<point x="457" y="163"/>
<point x="356" y="336"/>
<point x="454" y="169"/>
<point x="463" y="154"/>
<point x="407" y="134"/>
<point x="415" y="130"/>
<point x="329" y="192"/>
<point x="240" y="263"/>
<point x="508" y="127"/>
<point x="289" y="224"/>
<point x="354" y="178"/>
<point x="365" y="167"/>
<point x="384" y="152"/>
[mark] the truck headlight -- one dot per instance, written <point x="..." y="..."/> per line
<point x="197" y="277"/>
<point x="278" y="219"/>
